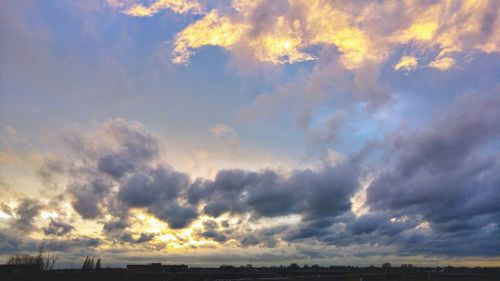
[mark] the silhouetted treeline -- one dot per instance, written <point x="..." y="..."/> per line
<point x="44" y="260"/>
<point x="42" y="267"/>
<point x="92" y="270"/>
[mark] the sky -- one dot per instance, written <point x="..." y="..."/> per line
<point x="251" y="131"/>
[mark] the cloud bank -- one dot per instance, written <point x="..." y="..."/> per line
<point x="439" y="187"/>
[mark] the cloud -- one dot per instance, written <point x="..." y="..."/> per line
<point x="220" y="130"/>
<point x="58" y="228"/>
<point x="156" y="190"/>
<point x="25" y="215"/>
<point x="447" y="173"/>
<point x="13" y="244"/>
<point x="313" y="194"/>
<point x="446" y="164"/>
<point x="6" y="209"/>
<point x="437" y="189"/>
<point x="136" y="181"/>
<point x="443" y="160"/>
<point x="269" y="103"/>
<point x="89" y="197"/>
<point x="145" y="237"/>
<point x="145" y="188"/>
<point x="323" y="101"/>
<point x="119" y="230"/>
<point x="407" y="63"/>
<point x="210" y="231"/>
<point x="284" y="37"/>
<point x="132" y="8"/>
<point x="49" y="170"/>
<point x="114" y="171"/>
<point x="210" y="30"/>
<point x="442" y="63"/>
<point x="328" y="130"/>
<point x="287" y="31"/>
<point x="130" y="147"/>
<point x="115" y="226"/>
<point x="118" y="154"/>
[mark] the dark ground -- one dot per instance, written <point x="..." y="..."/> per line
<point x="244" y="274"/>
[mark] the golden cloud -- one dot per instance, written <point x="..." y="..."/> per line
<point x="294" y="30"/>
<point x="139" y="10"/>
<point x="285" y="40"/>
<point x="407" y="63"/>
<point x="442" y="63"/>
<point x="211" y="30"/>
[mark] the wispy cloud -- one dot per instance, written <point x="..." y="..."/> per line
<point x="407" y="63"/>
<point x="442" y="63"/>
<point x="220" y="130"/>
<point x="132" y="8"/>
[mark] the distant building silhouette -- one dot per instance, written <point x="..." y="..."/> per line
<point x="19" y="268"/>
<point x="157" y="267"/>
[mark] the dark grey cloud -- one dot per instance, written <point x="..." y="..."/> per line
<point x="116" y="173"/>
<point x="448" y="173"/>
<point x="479" y="241"/>
<point x="11" y="243"/>
<point x="267" y="236"/>
<point x="175" y="215"/>
<point x="447" y="170"/>
<point x="145" y="237"/>
<point x="26" y="213"/>
<point x="238" y="191"/>
<point x="113" y="170"/>
<point x="146" y="187"/>
<point x="438" y="185"/>
<point x="74" y="243"/>
<point x="115" y="226"/>
<point x="214" y="235"/>
<point x="157" y="190"/>
<point x="118" y="231"/>
<point x="249" y="240"/>
<point x="210" y="231"/>
<point x="437" y="193"/>
<point x="88" y="197"/>
<point x="321" y="193"/>
<point x="119" y="173"/>
<point x="118" y="163"/>
<point x="136" y="147"/>
<point x="58" y="228"/>
<point x="199" y="190"/>
<point x="115" y="165"/>
<point x="318" y="228"/>
<point x="319" y="196"/>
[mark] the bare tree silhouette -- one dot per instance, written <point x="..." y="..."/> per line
<point x="45" y="260"/>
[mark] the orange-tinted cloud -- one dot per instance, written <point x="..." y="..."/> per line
<point x="288" y="32"/>
<point x="132" y="8"/>
<point x="407" y="63"/>
<point x="442" y="63"/>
